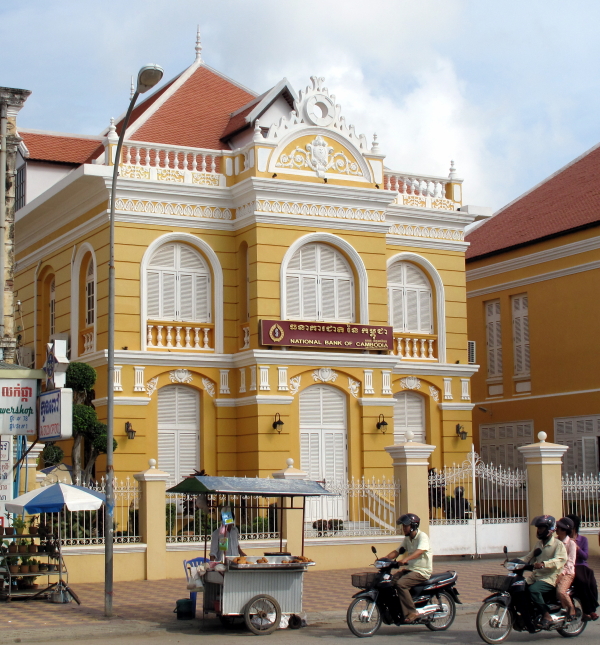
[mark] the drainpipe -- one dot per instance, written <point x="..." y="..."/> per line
<point x="3" y="125"/>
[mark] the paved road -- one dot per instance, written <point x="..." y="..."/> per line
<point x="327" y="632"/>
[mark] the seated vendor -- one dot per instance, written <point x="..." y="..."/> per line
<point x="233" y="547"/>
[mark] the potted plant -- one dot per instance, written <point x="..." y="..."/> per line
<point x="32" y="548"/>
<point x="43" y="566"/>
<point x="8" y="530"/>
<point x="34" y="566"/>
<point x="13" y="548"/>
<point x="24" y="568"/>
<point x="13" y="564"/>
<point x="51" y="567"/>
<point x="19" y="525"/>
<point x="23" y="546"/>
<point x="33" y="529"/>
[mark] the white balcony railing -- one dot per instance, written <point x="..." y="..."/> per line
<point x="183" y="336"/>
<point x="421" y="191"/>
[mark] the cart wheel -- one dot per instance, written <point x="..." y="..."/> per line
<point x="262" y="615"/>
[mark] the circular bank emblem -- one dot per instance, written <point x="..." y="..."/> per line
<point x="276" y="333"/>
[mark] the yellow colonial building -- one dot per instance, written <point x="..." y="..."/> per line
<point x="533" y="272"/>
<point x="269" y="267"/>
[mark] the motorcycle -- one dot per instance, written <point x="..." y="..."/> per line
<point x="497" y="616"/>
<point x="377" y="602"/>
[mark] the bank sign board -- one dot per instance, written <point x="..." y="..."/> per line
<point x="56" y="415"/>
<point x="18" y="406"/>
<point x="311" y="335"/>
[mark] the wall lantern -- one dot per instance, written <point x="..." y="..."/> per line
<point x="382" y="424"/>
<point x="129" y="430"/>
<point x="461" y="432"/>
<point x="278" y="423"/>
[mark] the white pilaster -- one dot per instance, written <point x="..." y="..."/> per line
<point x="252" y="377"/>
<point x="117" y="387"/>
<point x="242" y="380"/>
<point x="282" y="380"/>
<point x="464" y="383"/>
<point x="386" y="381"/>
<point x="264" y="377"/>
<point x="224" y="389"/>
<point x="368" y="382"/>
<point x="448" y="388"/>
<point x="139" y="385"/>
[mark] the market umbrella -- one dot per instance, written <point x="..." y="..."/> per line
<point x="52" y="499"/>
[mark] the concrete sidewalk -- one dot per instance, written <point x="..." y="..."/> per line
<point x="147" y="606"/>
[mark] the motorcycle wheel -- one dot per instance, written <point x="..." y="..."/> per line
<point x="357" y="617"/>
<point x="445" y="618"/>
<point x="575" y="627"/>
<point x="494" y="622"/>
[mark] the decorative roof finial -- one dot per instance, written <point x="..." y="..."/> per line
<point x="375" y="145"/>
<point x="257" y="132"/>
<point x="198" y="46"/>
<point x="452" y="174"/>
<point x="132" y="89"/>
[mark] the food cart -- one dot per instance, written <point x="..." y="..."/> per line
<point x="260" y="589"/>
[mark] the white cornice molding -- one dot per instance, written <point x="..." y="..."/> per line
<point x="123" y="400"/>
<point x="376" y="401"/>
<point x="424" y="243"/>
<point x="542" y="277"/>
<point x="417" y="216"/>
<point x="465" y="407"/>
<point x="174" y="220"/>
<point x="258" y="399"/>
<point x="312" y="221"/>
<point x="531" y="259"/>
<point x="543" y="453"/>
<point x="83" y="230"/>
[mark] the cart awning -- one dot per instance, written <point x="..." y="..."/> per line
<point x="205" y="485"/>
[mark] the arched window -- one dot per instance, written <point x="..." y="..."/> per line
<point x="409" y="298"/>
<point x="52" y="301"/>
<point x="178" y="285"/>
<point x="319" y="285"/>
<point x="409" y="414"/>
<point x="90" y="313"/>
<point x="178" y="432"/>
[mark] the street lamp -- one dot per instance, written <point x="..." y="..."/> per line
<point x="148" y="77"/>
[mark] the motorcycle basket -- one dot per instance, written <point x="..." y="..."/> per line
<point x="497" y="583"/>
<point x="363" y="580"/>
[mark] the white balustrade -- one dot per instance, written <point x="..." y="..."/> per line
<point x="88" y="342"/>
<point x="423" y="191"/>
<point x="190" y="337"/>
<point x="413" y="347"/>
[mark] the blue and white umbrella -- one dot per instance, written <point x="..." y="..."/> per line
<point x="52" y="499"/>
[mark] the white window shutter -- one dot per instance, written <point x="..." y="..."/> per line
<point x="589" y="455"/>
<point x="167" y="455"/>
<point x="412" y="310"/>
<point x="493" y="338"/>
<point x="186" y="297"/>
<point x="521" y="335"/>
<point x="425" y="317"/>
<point x="409" y="414"/>
<point x="153" y="294"/>
<point x="292" y="296"/>
<point x="411" y="299"/>
<point x="188" y="453"/>
<point x="309" y="310"/>
<point x="328" y="299"/>
<point x="202" y="299"/>
<point x="344" y="300"/>
<point x="168" y="293"/>
<point x="397" y="305"/>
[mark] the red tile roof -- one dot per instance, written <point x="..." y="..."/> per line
<point x="197" y="113"/>
<point x="568" y="200"/>
<point x="61" y="148"/>
<point x="237" y="123"/>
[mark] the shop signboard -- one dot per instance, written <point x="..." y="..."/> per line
<point x="56" y="415"/>
<point x="18" y="406"/>
<point x="313" y="335"/>
<point x="6" y="484"/>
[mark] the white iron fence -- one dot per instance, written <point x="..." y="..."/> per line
<point x="581" y="496"/>
<point x="194" y="519"/>
<point x="87" y="527"/>
<point x="359" y="507"/>
<point x="477" y="508"/>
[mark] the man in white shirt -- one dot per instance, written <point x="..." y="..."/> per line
<point x="417" y="560"/>
<point x="233" y="546"/>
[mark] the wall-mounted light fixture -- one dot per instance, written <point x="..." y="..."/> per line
<point x="461" y="432"/>
<point x="129" y="430"/>
<point x="382" y="424"/>
<point x="278" y="423"/>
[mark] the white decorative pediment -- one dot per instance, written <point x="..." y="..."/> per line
<point x="321" y="157"/>
<point x="410" y="383"/>
<point x="181" y="376"/>
<point x="316" y="107"/>
<point x="325" y="375"/>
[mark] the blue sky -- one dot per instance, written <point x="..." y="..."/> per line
<point x="508" y="90"/>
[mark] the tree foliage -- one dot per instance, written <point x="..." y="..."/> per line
<point x="81" y="377"/>
<point x="85" y="420"/>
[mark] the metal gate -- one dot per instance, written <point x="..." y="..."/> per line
<point x="478" y="508"/>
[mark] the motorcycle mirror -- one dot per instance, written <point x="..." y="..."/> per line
<point x="402" y="550"/>
<point x="505" y="549"/>
<point x="374" y="550"/>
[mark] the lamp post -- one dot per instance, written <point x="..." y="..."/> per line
<point x="148" y="77"/>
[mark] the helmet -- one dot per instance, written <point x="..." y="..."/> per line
<point x="546" y="521"/>
<point x="409" y="519"/>
<point x="567" y="524"/>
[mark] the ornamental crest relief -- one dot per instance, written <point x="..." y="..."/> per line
<point x="319" y="152"/>
<point x="319" y="156"/>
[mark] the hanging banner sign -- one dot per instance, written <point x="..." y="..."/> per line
<point x="56" y="415"/>
<point x="18" y="406"/>
<point x="311" y="335"/>
<point x="6" y="482"/>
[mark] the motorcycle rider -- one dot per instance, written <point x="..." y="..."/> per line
<point x="548" y="557"/>
<point x="417" y="560"/>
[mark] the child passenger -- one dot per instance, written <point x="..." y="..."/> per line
<point x="564" y="529"/>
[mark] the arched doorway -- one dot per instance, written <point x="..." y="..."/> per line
<point x="409" y="414"/>
<point x="178" y="431"/>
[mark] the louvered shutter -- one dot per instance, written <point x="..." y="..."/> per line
<point x="186" y="297"/>
<point x="412" y="311"/>
<point x="589" y="456"/>
<point x="494" y="338"/>
<point x="187" y="453"/>
<point x="293" y="295"/>
<point x="202" y="299"/>
<point x="309" y="298"/>
<point x="344" y="300"/>
<point x="168" y="310"/>
<point x="425" y="318"/>
<point x="410" y="299"/>
<point x="153" y="294"/>
<point x="328" y="299"/>
<point x="167" y="455"/>
<point x="309" y="455"/>
<point x="521" y="335"/>
<point x="326" y="259"/>
<point x="409" y="414"/>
